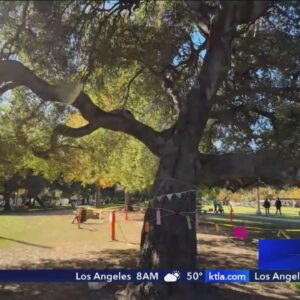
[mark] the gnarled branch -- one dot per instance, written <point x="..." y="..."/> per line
<point x="200" y="99"/>
<point x="249" y="11"/>
<point x="16" y="73"/>
<point x="240" y="170"/>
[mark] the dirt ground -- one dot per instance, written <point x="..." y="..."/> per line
<point x="51" y="241"/>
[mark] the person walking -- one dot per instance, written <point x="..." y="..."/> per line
<point x="215" y="204"/>
<point x="267" y="205"/>
<point x="77" y="217"/>
<point x="278" y="206"/>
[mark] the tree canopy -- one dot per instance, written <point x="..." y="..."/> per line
<point x="141" y="59"/>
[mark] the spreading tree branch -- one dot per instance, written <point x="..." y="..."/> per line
<point x="204" y="13"/>
<point x="292" y="92"/>
<point x="8" y="87"/>
<point x="238" y="170"/>
<point x="194" y="116"/>
<point x="130" y="82"/>
<point x="228" y="116"/>
<point x="117" y="120"/>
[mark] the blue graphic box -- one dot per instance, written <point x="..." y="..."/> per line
<point x="279" y="254"/>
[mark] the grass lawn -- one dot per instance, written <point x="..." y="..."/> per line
<point x="49" y="235"/>
<point x="286" y="211"/>
<point x="296" y="285"/>
<point x="47" y="239"/>
<point x="259" y="227"/>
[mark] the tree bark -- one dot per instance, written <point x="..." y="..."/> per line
<point x="7" y="205"/>
<point x="98" y="194"/>
<point x="236" y="170"/>
<point x="127" y="201"/>
<point x="40" y="202"/>
<point x="171" y="243"/>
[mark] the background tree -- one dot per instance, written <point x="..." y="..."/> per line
<point x="221" y="77"/>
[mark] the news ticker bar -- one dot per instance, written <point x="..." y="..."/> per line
<point x="125" y="275"/>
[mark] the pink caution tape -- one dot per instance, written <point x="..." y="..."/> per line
<point x="158" y="217"/>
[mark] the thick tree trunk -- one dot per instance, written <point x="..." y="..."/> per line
<point x="170" y="243"/>
<point x="40" y="201"/>
<point x="174" y="235"/>
<point x="127" y="201"/>
<point x="29" y="202"/>
<point x="7" y="201"/>
<point x="98" y="194"/>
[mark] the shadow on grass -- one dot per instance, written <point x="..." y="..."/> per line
<point x="270" y="220"/>
<point x="88" y="229"/>
<point x="24" y="243"/>
<point x="52" y="211"/>
<point x="220" y="260"/>
<point x="121" y="259"/>
<point x="258" y="229"/>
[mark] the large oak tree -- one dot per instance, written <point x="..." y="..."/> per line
<point x="210" y="87"/>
